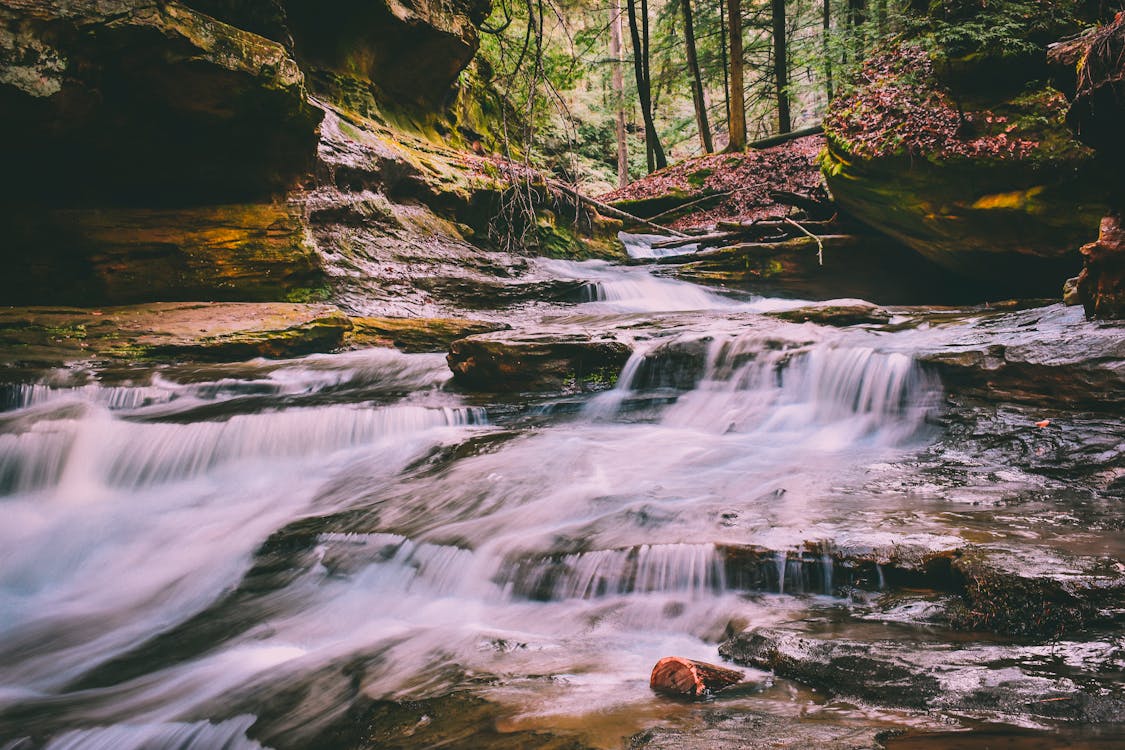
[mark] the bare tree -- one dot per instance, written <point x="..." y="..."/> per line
<point x="825" y="49"/>
<point x="619" y="94"/>
<point x="736" y="122"/>
<point x="781" y="66"/>
<point x="655" y="152"/>
<point x="697" y="93"/>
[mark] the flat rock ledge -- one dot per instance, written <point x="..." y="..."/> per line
<point x="1061" y="680"/>
<point x="226" y="331"/>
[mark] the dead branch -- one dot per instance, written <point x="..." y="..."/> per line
<point x="819" y="242"/>
<point x="607" y="210"/>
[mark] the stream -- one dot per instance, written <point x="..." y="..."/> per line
<point x="349" y="550"/>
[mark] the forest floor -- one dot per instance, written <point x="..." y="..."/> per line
<point x="733" y="187"/>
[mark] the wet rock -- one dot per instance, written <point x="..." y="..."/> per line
<point x="837" y="313"/>
<point x="1061" y="680"/>
<point x="416" y="334"/>
<point x="1029" y="591"/>
<point x="675" y="675"/>
<point x="196" y="331"/>
<point x="742" y="729"/>
<point x="537" y="362"/>
<point x="1048" y="355"/>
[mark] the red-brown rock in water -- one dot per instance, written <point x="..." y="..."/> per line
<point x="1097" y="116"/>
<point x="675" y="675"/>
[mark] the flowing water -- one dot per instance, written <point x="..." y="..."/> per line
<point x="239" y="556"/>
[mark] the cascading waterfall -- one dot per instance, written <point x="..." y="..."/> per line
<point x="130" y="454"/>
<point x="588" y="543"/>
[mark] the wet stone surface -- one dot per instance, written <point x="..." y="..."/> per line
<point x="379" y="555"/>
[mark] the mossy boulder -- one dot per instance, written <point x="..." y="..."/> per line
<point x="989" y="183"/>
<point x="416" y="334"/>
<point x="137" y="102"/>
<point x="500" y="362"/>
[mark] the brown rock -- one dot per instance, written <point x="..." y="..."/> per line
<point x="676" y="675"/>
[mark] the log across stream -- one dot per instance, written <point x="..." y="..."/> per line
<point x="350" y="550"/>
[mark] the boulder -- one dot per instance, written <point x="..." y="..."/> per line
<point x="142" y="102"/>
<point x="842" y="312"/>
<point x="537" y="362"/>
<point x="963" y="154"/>
<point x="416" y="334"/>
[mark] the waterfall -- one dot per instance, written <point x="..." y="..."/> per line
<point x="133" y="454"/>
<point x="200" y="735"/>
<point x="691" y="569"/>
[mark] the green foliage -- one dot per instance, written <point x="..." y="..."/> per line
<point x="996" y="29"/>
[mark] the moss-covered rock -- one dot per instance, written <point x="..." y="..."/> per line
<point x="254" y="251"/>
<point x="143" y="102"/>
<point x="537" y="362"/>
<point x="192" y="331"/>
<point x="954" y="142"/>
<point x="416" y="334"/>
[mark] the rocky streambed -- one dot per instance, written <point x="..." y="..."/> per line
<point x="893" y="519"/>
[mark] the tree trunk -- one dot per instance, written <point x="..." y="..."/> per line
<point x="736" y="122"/>
<point x="697" y="93"/>
<point x="857" y="15"/>
<point x="619" y="95"/>
<point x="826" y="49"/>
<point x="655" y="151"/>
<point x="723" y="58"/>
<point x="781" y="66"/>
<point x="680" y="676"/>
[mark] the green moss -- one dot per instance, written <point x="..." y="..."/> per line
<point x="66" y="332"/>
<point x="308" y="294"/>
<point x="699" y="177"/>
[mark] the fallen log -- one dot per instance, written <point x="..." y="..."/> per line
<point x="792" y="135"/>
<point x="675" y="675"/>
<point x="696" y="240"/>
<point x="816" y="208"/>
<point x="607" y="210"/>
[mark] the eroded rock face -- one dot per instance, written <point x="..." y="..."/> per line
<point x="963" y="154"/>
<point x="39" y="336"/>
<point x="247" y="251"/>
<point x="148" y="151"/>
<point x="411" y="51"/>
<point x="140" y="102"/>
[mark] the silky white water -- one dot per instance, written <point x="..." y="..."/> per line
<point x="418" y="540"/>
